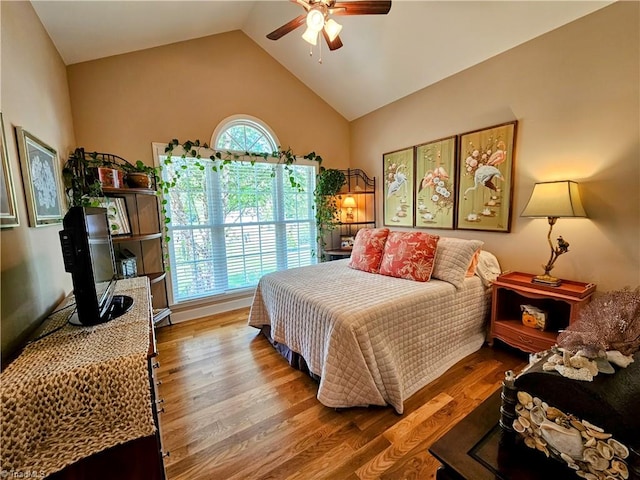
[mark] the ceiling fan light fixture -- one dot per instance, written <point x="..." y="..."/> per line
<point x="332" y="28"/>
<point x="310" y="36"/>
<point x="315" y="20"/>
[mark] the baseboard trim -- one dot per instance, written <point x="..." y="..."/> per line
<point x="199" y="311"/>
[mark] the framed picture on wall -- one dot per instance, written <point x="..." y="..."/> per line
<point x="485" y="178"/>
<point x="397" y="168"/>
<point x="41" y="178"/>
<point x="435" y="184"/>
<point x="8" y="209"/>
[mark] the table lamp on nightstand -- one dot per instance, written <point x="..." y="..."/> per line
<point x="554" y="200"/>
<point x="349" y="203"/>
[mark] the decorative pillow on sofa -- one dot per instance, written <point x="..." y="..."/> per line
<point x="453" y="259"/>
<point x="409" y="255"/>
<point x="367" y="249"/>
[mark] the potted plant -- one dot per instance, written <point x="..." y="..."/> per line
<point x="328" y="185"/>
<point x="140" y="175"/>
<point x="81" y="181"/>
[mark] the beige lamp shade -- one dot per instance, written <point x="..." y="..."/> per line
<point x="349" y="202"/>
<point x="555" y="200"/>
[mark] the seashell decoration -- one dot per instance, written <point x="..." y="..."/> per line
<point x="581" y="367"/>
<point x="619" y="450"/>
<point x="567" y="440"/>
<point x="584" y="447"/>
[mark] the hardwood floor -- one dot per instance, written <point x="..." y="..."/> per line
<point x="234" y="409"/>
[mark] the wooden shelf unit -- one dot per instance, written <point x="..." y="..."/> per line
<point x="562" y="304"/>
<point x="145" y="242"/>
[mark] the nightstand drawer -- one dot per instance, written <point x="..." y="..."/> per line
<point x="525" y="338"/>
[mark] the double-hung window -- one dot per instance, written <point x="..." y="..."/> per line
<point x="236" y="222"/>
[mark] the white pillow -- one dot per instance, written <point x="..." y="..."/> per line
<point x="488" y="268"/>
<point x="453" y="258"/>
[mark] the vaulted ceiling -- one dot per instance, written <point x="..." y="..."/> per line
<point x="384" y="58"/>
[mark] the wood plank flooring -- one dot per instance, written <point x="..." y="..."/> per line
<point x="234" y="409"/>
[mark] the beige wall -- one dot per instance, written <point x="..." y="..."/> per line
<point x="575" y="94"/>
<point x="34" y="96"/>
<point x="123" y="103"/>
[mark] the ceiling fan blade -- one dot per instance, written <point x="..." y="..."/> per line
<point x="363" y="7"/>
<point x="304" y="4"/>
<point x="287" y="27"/>
<point x="336" y="44"/>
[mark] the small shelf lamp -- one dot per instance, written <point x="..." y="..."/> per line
<point x="349" y="203"/>
<point x="554" y="200"/>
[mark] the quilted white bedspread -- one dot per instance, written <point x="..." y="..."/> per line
<point x="373" y="339"/>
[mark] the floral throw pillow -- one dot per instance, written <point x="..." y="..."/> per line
<point x="409" y="255"/>
<point x="367" y="249"/>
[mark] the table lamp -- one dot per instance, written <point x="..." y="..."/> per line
<point x="554" y="200"/>
<point x="349" y="203"/>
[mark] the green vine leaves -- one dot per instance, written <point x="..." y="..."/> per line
<point x="194" y="149"/>
<point x="328" y="185"/>
<point x="82" y="189"/>
<point x="220" y="159"/>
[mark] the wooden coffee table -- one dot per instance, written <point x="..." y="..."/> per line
<point x="478" y="449"/>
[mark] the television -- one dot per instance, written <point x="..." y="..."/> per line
<point x="87" y="251"/>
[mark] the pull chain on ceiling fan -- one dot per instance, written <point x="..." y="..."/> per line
<point x="317" y="18"/>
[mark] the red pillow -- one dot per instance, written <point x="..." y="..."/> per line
<point x="409" y="255"/>
<point x="367" y="249"/>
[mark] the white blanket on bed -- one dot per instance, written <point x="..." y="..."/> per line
<point x="373" y="339"/>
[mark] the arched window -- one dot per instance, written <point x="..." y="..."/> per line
<point x="235" y="221"/>
<point x="243" y="133"/>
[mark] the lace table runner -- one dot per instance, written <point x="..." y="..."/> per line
<point x="78" y="390"/>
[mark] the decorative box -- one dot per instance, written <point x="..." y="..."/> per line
<point x="593" y="427"/>
<point x="109" y="177"/>
<point x="533" y="317"/>
<point x="126" y="264"/>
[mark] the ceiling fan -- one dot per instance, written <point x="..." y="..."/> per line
<point x="317" y="18"/>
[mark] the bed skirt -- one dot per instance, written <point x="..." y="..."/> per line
<point x="294" y="359"/>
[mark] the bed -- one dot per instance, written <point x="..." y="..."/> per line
<point x="372" y="339"/>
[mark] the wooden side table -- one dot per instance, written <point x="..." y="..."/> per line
<point x="562" y="304"/>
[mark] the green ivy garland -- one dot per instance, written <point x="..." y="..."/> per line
<point x="328" y="185"/>
<point x="328" y="182"/>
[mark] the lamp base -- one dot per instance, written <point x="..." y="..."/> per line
<point x="547" y="280"/>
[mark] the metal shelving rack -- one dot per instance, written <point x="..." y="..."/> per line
<point x="363" y="189"/>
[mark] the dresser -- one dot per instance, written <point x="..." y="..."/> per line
<point x="81" y="402"/>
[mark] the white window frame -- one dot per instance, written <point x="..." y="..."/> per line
<point x="242" y="119"/>
<point x="158" y="153"/>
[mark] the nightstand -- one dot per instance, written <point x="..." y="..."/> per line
<point x="337" y="254"/>
<point x="562" y="305"/>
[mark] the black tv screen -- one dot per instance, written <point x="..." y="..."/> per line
<point x="88" y="255"/>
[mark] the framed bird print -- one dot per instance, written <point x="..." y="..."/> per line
<point x="485" y="178"/>
<point x="398" y="185"/>
<point x="435" y="184"/>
